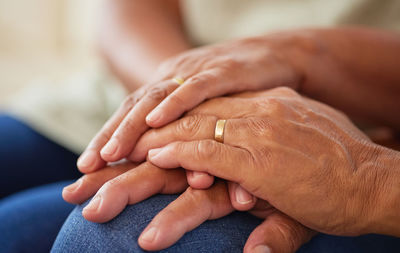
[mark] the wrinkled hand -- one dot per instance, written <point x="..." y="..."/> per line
<point x="129" y="183"/>
<point x="305" y="158"/>
<point x="242" y="65"/>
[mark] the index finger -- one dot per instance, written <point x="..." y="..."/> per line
<point x="124" y="138"/>
<point x="90" y="160"/>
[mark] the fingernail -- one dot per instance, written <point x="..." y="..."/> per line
<point x="73" y="187"/>
<point x="196" y="174"/>
<point x="87" y="159"/>
<point x="94" y="204"/>
<point x="153" y="116"/>
<point x="262" y="249"/>
<point x="110" y="148"/>
<point x="242" y="196"/>
<point x="154" y="152"/>
<point x="149" y="235"/>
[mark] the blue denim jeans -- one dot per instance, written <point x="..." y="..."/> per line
<point x="227" y="234"/>
<point x="28" y="159"/>
<point x="30" y="220"/>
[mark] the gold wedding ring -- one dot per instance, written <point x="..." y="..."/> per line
<point x="178" y="80"/>
<point x="219" y="130"/>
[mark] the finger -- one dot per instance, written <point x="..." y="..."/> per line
<point x="279" y="234"/>
<point x="90" y="160"/>
<point x="190" y="128"/>
<point x="132" y="187"/>
<point x="184" y="214"/>
<point x="207" y="84"/>
<point x="241" y="199"/>
<point x="133" y="125"/>
<point x="241" y="105"/>
<point x="225" y="107"/>
<point x="89" y="184"/>
<point x="224" y="161"/>
<point x="198" y="88"/>
<point x="199" y="180"/>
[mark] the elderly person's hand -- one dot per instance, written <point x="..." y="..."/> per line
<point x="242" y="65"/>
<point x="303" y="157"/>
<point x="116" y="186"/>
<point x="330" y="65"/>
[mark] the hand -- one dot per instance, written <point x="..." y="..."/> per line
<point x="127" y="184"/>
<point x="305" y="158"/>
<point x="249" y="64"/>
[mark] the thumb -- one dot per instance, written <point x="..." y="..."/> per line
<point x="278" y="233"/>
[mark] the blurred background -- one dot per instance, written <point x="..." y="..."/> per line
<point x="44" y="39"/>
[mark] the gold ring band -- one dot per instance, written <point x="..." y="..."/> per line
<point x="219" y="130"/>
<point x="178" y="80"/>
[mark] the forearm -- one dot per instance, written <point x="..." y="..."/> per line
<point x="135" y="36"/>
<point x="355" y="70"/>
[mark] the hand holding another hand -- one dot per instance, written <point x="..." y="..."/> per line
<point x="235" y="66"/>
<point x="306" y="159"/>
<point x="116" y="186"/>
<point x="302" y="157"/>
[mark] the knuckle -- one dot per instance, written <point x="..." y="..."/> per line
<point x="113" y="185"/>
<point x="229" y="64"/>
<point x="197" y="79"/>
<point x="87" y="180"/>
<point x="176" y="99"/>
<point x="276" y="107"/>
<point x="205" y="148"/>
<point x="203" y="78"/>
<point x="261" y="103"/>
<point x="194" y="195"/>
<point x="286" y="91"/>
<point x="128" y="124"/>
<point x="201" y="84"/>
<point x="260" y="127"/>
<point x="157" y="93"/>
<point x="130" y="101"/>
<point x="190" y="125"/>
<point x="289" y="231"/>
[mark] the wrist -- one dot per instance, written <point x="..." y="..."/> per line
<point x="304" y="51"/>
<point x="383" y="205"/>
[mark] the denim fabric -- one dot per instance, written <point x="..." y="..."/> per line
<point x="27" y="159"/>
<point x="30" y="220"/>
<point x="227" y="234"/>
<point x="120" y="235"/>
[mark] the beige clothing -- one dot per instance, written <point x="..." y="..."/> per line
<point x="210" y="21"/>
<point x="72" y="114"/>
